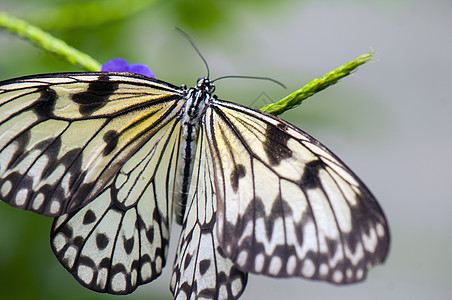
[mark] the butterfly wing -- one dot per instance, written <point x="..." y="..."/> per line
<point x="287" y="206"/>
<point x="201" y="270"/>
<point x="100" y="148"/>
<point x="63" y="137"/>
<point x="120" y="239"/>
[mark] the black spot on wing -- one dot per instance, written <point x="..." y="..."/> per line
<point x="150" y="235"/>
<point x="111" y="139"/>
<point x="67" y="231"/>
<point x="96" y="96"/>
<point x="86" y="261"/>
<point x="310" y="178"/>
<point x="78" y="242"/>
<point x="238" y="172"/>
<point x="204" y="266"/>
<point x="188" y="258"/>
<point x="275" y="145"/>
<point x="128" y="245"/>
<point x="46" y="103"/>
<point x="89" y="217"/>
<point x="101" y="241"/>
<point x="105" y="263"/>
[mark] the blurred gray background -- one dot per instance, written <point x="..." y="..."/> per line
<point x="390" y="121"/>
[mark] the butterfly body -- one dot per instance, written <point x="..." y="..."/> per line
<point x="197" y="99"/>
<point x="114" y="156"/>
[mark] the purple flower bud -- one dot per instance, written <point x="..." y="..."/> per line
<point x="121" y="65"/>
<point x="140" y="69"/>
<point x="115" y="65"/>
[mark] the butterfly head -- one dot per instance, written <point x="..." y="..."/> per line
<point x="205" y="84"/>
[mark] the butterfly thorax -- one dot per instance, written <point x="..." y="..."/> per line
<point x="197" y="99"/>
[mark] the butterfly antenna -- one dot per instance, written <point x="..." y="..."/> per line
<point x="252" y="77"/>
<point x="188" y="38"/>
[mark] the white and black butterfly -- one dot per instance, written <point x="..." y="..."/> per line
<point x="113" y="155"/>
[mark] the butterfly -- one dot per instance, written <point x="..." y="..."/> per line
<point x="113" y="157"/>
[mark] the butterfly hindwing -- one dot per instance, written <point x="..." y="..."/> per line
<point x="201" y="270"/>
<point x="120" y="239"/>
<point x="287" y="206"/>
<point x="64" y="136"/>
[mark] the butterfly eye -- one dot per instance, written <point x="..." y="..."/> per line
<point x="201" y="81"/>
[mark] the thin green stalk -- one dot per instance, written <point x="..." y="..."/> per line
<point x="315" y="86"/>
<point x="48" y="42"/>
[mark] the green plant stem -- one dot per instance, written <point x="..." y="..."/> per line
<point x="315" y="86"/>
<point x="48" y="42"/>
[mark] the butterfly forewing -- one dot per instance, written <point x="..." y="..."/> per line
<point x="64" y="136"/>
<point x="286" y="205"/>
